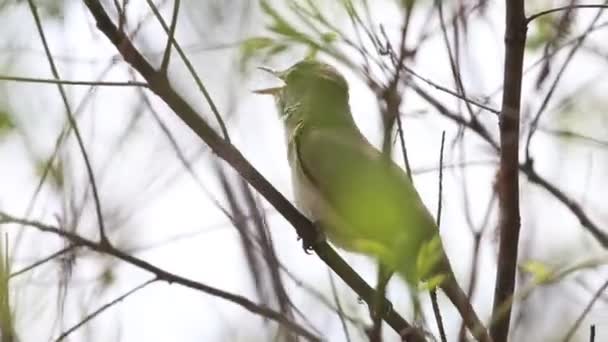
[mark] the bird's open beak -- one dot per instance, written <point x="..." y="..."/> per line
<point x="272" y="90"/>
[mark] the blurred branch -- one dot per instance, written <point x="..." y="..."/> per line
<point x="164" y="66"/>
<point x="586" y="311"/>
<point x="70" y="82"/>
<point x="91" y="177"/>
<point x="527" y="168"/>
<point x="475" y="259"/>
<point x="574" y="207"/>
<point x="564" y="8"/>
<point x="433" y="293"/>
<point x="508" y="179"/>
<point x="578" y="43"/>
<point x="562" y="133"/>
<point x="161" y="274"/>
<point x="160" y="85"/>
<point x="103" y="308"/>
<point x="43" y="261"/>
<point x="339" y="311"/>
<point x="163" y="72"/>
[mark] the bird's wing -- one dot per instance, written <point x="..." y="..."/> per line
<point x="376" y="202"/>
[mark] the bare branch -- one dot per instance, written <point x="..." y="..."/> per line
<point x="160" y="273"/>
<point x="508" y="182"/>
<point x="559" y="9"/>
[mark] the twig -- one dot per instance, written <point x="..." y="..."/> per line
<point x="186" y="61"/>
<point x="160" y="273"/>
<point x="550" y="92"/>
<point x="43" y="261"/>
<point x="164" y="66"/>
<point x="339" y="311"/>
<point x="586" y="311"/>
<point x="72" y="82"/>
<point x="433" y="293"/>
<point x="102" y="232"/>
<point x="563" y="8"/>
<point x="526" y="168"/>
<point x="103" y="308"/>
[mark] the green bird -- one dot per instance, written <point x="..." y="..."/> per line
<point x="358" y="197"/>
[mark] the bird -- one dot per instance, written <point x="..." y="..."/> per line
<point x="357" y="196"/>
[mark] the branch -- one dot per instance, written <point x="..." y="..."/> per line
<point x="508" y="180"/>
<point x="586" y="311"/>
<point x="103" y="308"/>
<point x="527" y="168"/>
<point x="558" y="9"/>
<point x="85" y="156"/>
<point x="160" y="273"/>
<point x="71" y="82"/>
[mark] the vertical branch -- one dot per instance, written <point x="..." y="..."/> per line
<point x="433" y="293"/>
<point x="164" y="66"/>
<point x="73" y="124"/>
<point x="508" y="181"/>
<point x="339" y="310"/>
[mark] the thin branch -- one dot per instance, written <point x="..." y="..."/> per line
<point x="103" y="308"/>
<point x="475" y="260"/>
<point x="452" y="92"/>
<point x="339" y="311"/>
<point x="188" y="64"/>
<point x="586" y="311"/>
<point x="73" y="124"/>
<point x="160" y="273"/>
<point x="164" y="66"/>
<point x="563" y="8"/>
<point x="578" y="43"/>
<point x="574" y="207"/>
<point x="71" y="82"/>
<point x="43" y="260"/>
<point x="562" y="133"/>
<point x="433" y="293"/>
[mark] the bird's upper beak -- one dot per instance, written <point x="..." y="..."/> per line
<point x="272" y="90"/>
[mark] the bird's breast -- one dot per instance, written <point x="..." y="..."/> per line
<point x="307" y="197"/>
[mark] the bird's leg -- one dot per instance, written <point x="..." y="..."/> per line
<point x="412" y="333"/>
<point x="379" y="308"/>
<point x="313" y="237"/>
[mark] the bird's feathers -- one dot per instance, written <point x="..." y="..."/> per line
<point x="364" y="201"/>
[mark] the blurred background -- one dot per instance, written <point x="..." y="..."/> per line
<point x="167" y="199"/>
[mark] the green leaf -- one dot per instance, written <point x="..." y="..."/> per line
<point x="329" y="37"/>
<point x="429" y="257"/>
<point x="259" y="47"/>
<point x="252" y="47"/>
<point x="540" y="271"/>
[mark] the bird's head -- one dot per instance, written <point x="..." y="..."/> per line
<point x="313" y="92"/>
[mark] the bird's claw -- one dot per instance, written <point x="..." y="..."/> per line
<point x="385" y="309"/>
<point x="412" y="333"/>
<point x="312" y="238"/>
